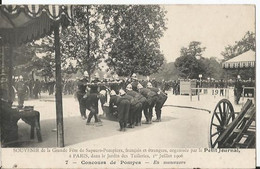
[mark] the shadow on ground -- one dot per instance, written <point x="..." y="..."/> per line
<point x="75" y="131"/>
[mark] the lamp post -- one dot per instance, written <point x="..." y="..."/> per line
<point x="200" y="76"/>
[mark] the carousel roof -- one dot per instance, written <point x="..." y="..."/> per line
<point x="24" y="23"/>
<point x="245" y="60"/>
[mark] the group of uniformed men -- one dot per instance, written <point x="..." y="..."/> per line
<point x="128" y="100"/>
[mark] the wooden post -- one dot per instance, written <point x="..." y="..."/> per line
<point x="190" y="94"/>
<point x="199" y="94"/>
<point x="58" y="94"/>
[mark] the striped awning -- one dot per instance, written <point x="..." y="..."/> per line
<point x="245" y="60"/>
<point x="24" y="23"/>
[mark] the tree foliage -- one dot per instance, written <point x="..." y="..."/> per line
<point x="187" y="64"/>
<point x="133" y="40"/>
<point x="80" y="45"/>
<point x="168" y="71"/>
<point x="84" y="41"/>
<point x="246" y="43"/>
<point x="213" y="68"/>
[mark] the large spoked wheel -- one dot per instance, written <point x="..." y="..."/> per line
<point x="222" y="116"/>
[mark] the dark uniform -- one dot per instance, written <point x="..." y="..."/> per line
<point x="162" y="97"/>
<point x="238" y="90"/>
<point x="135" y="109"/>
<point x="134" y="85"/>
<point x="151" y="100"/>
<point x="36" y="88"/>
<point x="115" y="86"/>
<point x="221" y="86"/>
<point x="8" y="120"/>
<point x="80" y="94"/>
<point x="92" y="106"/>
<point x="92" y="101"/>
<point x="21" y="93"/>
<point x="123" y="106"/>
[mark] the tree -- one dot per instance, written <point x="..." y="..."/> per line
<point x="190" y="63"/>
<point x="22" y="60"/>
<point x="245" y="44"/>
<point x="248" y="42"/>
<point x="133" y="40"/>
<point x="212" y="68"/>
<point x="168" y="71"/>
<point x="81" y="47"/>
<point x="84" y="41"/>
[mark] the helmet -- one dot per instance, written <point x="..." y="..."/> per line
<point x="121" y="92"/>
<point x="134" y="76"/>
<point x="115" y="77"/>
<point x="96" y="76"/>
<point x="238" y="76"/>
<point x="139" y="86"/>
<point x="112" y="93"/>
<point x="21" y="77"/>
<point x="149" y="85"/>
<point x="85" y="74"/>
<point x="129" y="87"/>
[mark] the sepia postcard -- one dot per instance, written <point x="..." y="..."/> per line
<point x="128" y="85"/>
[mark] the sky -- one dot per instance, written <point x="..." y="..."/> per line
<point x="215" y="26"/>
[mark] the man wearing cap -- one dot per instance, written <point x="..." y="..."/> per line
<point x="92" y="100"/>
<point x="238" y="89"/>
<point x="134" y="82"/>
<point x="123" y="106"/>
<point x="21" y="91"/>
<point x="161" y="99"/>
<point x="136" y="107"/>
<point x="82" y="83"/>
<point x="92" y="106"/>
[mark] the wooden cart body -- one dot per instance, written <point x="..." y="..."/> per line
<point x="233" y="130"/>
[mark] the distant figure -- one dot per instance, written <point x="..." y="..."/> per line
<point x="238" y="89"/>
<point x="21" y="92"/>
<point x="82" y="83"/>
<point x="221" y="86"/>
<point x="36" y="88"/>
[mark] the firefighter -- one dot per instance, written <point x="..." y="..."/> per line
<point x="136" y="107"/>
<point x="161" y="99"/>
<point x="81" y="94"/>
<point x="123" y="106"/>
<point x="151" y="97"/>
<point x="134" y="82"/>
<point x="92" y="100"/>
<point x="92" y="106"/>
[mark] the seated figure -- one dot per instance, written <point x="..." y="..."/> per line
<point x="8" y="120"/>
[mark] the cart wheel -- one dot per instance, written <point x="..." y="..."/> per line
<point x="222" y="116"/>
